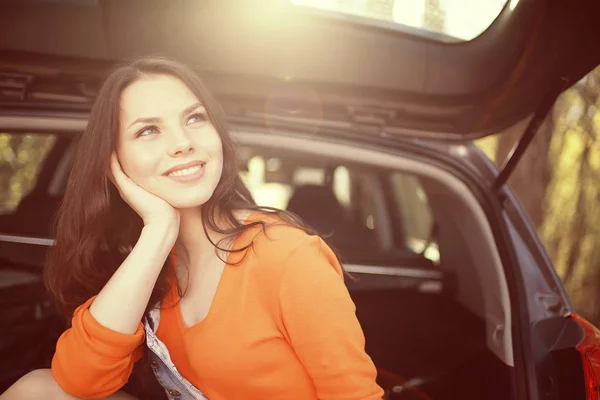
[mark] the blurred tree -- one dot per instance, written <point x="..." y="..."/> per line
<point x="570" y="230"/>
<point x="530" y="179"/>
<point x="21" y="157"/>
<point x="558" y="183"/>
<point x="380" y="9"/>
<point x="435" y="17"/>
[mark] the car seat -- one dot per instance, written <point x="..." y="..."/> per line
<point x="320" y="209"/>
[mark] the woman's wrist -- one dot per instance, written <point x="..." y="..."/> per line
<point x="162" y="235"/>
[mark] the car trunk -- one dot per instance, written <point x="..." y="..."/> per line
<point x="431" y="341"/>
<point x="426" y="340"/>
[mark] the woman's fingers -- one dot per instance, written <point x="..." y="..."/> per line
<point x="115" y="169"/>
<point x="118" y="177"/>
<point x="143" y="202"/>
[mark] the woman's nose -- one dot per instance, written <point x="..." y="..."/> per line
<point x="180" y="142"/>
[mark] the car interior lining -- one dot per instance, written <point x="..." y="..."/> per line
<point x="436" y="324"/>
<point x="495" y="302"/>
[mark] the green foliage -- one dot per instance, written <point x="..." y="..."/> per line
<point x="21" y="157"/>
<point x="570" y="230"/>
<point x="489" y="145"/>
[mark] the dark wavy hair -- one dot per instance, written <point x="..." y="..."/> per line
<point x="96" y="229"/>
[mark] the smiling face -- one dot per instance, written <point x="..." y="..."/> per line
<point x="166" y="143"/>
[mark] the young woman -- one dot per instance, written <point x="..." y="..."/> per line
<point x="162" y="254"/>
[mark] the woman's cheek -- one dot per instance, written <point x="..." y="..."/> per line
<point x="138" y="167"/>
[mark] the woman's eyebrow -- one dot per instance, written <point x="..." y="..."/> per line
<point x="155" y="120"/>
<point x="151" y="120"/>
<point x="191" y="108"/>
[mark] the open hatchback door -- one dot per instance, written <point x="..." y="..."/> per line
<point x="279" y="60"/>
<point x="284" y="65"/>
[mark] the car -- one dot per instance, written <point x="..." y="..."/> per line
<point x="366" y="132"/>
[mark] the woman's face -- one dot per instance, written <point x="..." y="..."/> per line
<point x="166" y="144"/>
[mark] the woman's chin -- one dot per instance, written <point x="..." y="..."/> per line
<point x="192" y="202"/>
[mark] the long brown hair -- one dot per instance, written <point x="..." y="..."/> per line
<point x="96" y="228"/>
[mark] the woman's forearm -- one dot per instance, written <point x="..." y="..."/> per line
<point x="120" y="305"/>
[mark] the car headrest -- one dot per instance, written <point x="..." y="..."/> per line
<point x="317" y="206"/>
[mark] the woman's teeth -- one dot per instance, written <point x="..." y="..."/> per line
<point x="185" y="172"/>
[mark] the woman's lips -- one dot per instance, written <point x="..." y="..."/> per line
<point x="189" y="174"/>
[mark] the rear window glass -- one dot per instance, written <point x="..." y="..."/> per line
<point x="458" y="19"/>
<point x="415" y="214"/>
<point x="349" y="201"/>
<point x="330" y="198"/>
<point x="21" y="158"/>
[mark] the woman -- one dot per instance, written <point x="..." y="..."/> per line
<point x="161" y="254"/>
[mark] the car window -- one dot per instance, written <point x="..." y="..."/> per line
<point x="414" y="214"/>
<point x="459" y="19"/>
<point x="21" y="158"/>
<point x="331" y="197"/>
<point x="355" y="218"/>
<point x="365" y="201"/>
<point x="272" y="186"/>
<point x="345" y="200"/>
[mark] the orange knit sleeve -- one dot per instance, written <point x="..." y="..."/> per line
<point x="92" y="361"/>
<point x="320" y="322"/>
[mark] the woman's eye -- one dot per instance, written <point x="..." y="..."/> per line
<point x="196" y="118"/>
<point x="149" y="130"/>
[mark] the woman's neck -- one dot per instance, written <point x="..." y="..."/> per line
<point x="193" y="246"/>
<point x="192" y="243"/>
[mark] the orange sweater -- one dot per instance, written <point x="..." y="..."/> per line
<point x="281" y="326"/>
